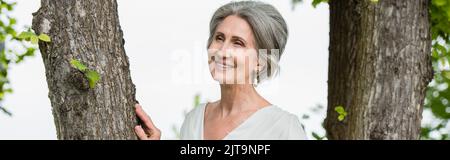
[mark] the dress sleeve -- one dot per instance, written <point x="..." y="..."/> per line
<point x="183" y="130"/>
<point x="189" y="128"/>
<point x="296" y="131"/>
<point x="185" y="127"/>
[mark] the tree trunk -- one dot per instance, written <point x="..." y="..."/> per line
<point x="87" y="31"/>
<point x="379" y="68"/>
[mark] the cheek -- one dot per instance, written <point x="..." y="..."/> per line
<point x="214" y="46"/>
<point x="211" y="50"/>
<point x="211" y="55"/>
<point x="246" y="62"/>
<point x="211" y="64"/>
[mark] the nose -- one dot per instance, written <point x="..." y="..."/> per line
<point x="223" y="52"/>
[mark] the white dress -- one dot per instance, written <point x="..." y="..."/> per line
<point x="268" y="123"/>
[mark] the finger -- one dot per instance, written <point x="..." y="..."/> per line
<point x="144" y="117"/>
<point x="140" y="133"/>
<point x="149" y="127"/>
<point x="155" y="134"/>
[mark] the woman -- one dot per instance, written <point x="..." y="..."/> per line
<point x="246" y="41"/>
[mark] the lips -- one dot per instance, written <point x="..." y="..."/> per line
<point x="223" y="66"/>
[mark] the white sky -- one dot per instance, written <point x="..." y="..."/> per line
<point x="157" y="34"/>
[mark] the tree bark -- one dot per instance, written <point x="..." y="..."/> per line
<point x="87" y="31"/>
<point x="379" y="68"/>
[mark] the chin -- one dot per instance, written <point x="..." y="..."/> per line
<point x="231" y="80"/>
<point x="221" y="80"/>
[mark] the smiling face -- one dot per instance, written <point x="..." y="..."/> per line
<point x="232" y="52"/>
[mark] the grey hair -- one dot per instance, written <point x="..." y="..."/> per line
<point x="269" y="28"/>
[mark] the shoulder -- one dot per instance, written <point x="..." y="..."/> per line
<point x="195" y="114"/>
<point x="196" y="111"/>
<point x="290" y="125"/>
<point x="192" y="122"/>
<point x="279" y="114"/>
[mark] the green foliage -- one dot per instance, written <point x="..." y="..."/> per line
<point x="78" y="65"/>
<point x="92" y="76"/>
<point x="314" y="2"/>
<point x="439" y="129"/>
<point x="296" y="1"/>
<point x="44" y="38"/>
<point x="196" y="100"/>
<point x="446" y="74"/>
<point x="440" y="20"/>
<point x="317" y="2"/>
<point x="33" y="38"/>
<point x="314" y="112"/>
<point x="438" y="92"/>
<point x="317" y="136"/>
<point x="341" y="111"/>
<point x="22" y="50"/>
<point x="26" y="35"/>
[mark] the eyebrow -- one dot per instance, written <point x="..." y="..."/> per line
<point x="233" y="37"/>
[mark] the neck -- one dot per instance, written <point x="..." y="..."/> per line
<point x="239" y="97"/>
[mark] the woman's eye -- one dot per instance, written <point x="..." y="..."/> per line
<point x="219" y="38"/>
<point x="239" y="44"/>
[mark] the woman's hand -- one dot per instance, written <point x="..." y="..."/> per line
<point x="148" y="131"/>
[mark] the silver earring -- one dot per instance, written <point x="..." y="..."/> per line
<point x="256" y="80"/>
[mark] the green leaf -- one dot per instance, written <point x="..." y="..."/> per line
<point x="439" y="2"/>
<point x="44" y="38"/>
<point x="434" y="54"/>
<point x="317" y="2"/>
<point x="29" y="52"/>
<point x="446" y="74"/>
<point x="8" y="90"/>
<point x="93" y="77"/>
<point x="78" y="65"/>
<point x="341" y="118"/>
<point x="34" y="39"/>
<point x="25" y="35"/>
<point x="339" y="109"/>
<point x="10" y="30"/>
<point x="196" y="100"/>
<point x="316" y="136"/>
<point x="12" y="21"/>
<point x="374" y="1"/>
<point x="441" y="48"/>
